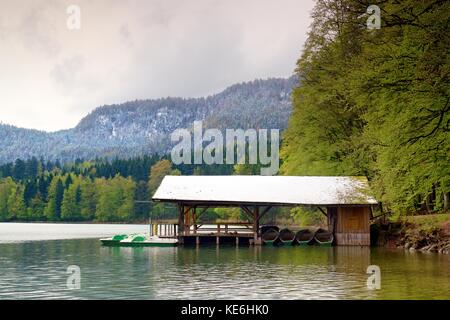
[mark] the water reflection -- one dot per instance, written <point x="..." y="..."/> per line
<point x="38" y="270"/>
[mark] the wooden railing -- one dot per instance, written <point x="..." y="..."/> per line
<point x="164" y="230"/>
<point x="171" y="230"/>
<point x="227" y="228"/>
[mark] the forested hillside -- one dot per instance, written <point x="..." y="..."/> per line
<point x="143" y="127"/>
<point x="376" y="102"/>
<point x="98" y="190"/>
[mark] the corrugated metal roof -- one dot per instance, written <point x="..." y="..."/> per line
<point x="295" y="190"/>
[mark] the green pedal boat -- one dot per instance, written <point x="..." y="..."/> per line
<point x="139" y="240"/>
<point x="113" y="241"/>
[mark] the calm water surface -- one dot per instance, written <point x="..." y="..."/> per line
<point x="37" y="270"/>
<point x="19" y="232"/>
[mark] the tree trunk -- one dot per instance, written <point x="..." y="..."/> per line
<point x="427" y="203"/>
<point x="446" y="201"/>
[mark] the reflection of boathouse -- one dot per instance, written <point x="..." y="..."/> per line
<point x="346" y="201"/>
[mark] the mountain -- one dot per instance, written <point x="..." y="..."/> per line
<point x="144" y="126"/>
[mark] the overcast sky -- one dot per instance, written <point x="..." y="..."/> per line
<point x="51" y="76"/>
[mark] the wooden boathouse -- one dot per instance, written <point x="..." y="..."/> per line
<point x="346" y="201"/>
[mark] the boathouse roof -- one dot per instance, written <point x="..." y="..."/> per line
<point x="266" y="190"/>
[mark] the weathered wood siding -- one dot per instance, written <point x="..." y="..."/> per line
<point x="353" y="226"/>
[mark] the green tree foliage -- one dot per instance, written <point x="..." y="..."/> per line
<point x="376" y="102"/>
<point x="322" y="135"/>
<point x="71" y="204"/>
<point x="7" y="187"/>
<point x="158" y="172"/>
<point x="55" y="197"/>
<point x="115" y="199"/>
<point x="16" y="204"/>
<point x="229" y="214"/>
<point x="87" y="199"/>
<point x="246" y="169"/>
<point x="83" y="190"/>
<point x="35" y="209"/>
<point x="307" y="217"/>
<point x="142" y="206"/>
<point x="106" y="204"/>
<point x="128" y="189"/>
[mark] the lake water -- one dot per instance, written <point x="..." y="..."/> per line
<point x="17" y="232"/>
<point x="38" y="269"/>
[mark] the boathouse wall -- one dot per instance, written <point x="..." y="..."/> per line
<point x="350" y="225"/>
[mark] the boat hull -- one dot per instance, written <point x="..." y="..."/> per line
<point x="286" y="236"/>
<point x="113" y="241"/>
<point x="270" y="237"/>
<point x="109" y="242"/>
<point x="148" y="244"/>
<point x="269" y="242"/>
<point x="304" y="237"/>
<point x="138" y="241"/>
<point x="286" y="242"/>
<point x="324" y="238"/>
<point x="324" y="243"/>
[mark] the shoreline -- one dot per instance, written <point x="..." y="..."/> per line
<point x="75" y="222"/>
<point x="428" y="233"/>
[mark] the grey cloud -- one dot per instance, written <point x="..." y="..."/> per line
<point x="65" y="73"/>
<point x="125" y="35"/>
<point x="39" y="30"/>
<point x="135" y="49"/>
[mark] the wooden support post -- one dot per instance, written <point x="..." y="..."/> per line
<point x="180" y="218"/>
<point x="256" y="237"/>
<point x="331" y="218"/>
<point x="180" y="232"/>
<point x="187" y="220"/>
<point x="194" y="218"/>
<point x="217" y="240"/>
<point x="197" y="240"/>
<point x="237" y="241"/>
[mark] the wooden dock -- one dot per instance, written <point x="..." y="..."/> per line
<point x="218" y="233"/>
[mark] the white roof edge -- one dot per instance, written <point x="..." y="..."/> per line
<point x="283" y="190"/>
